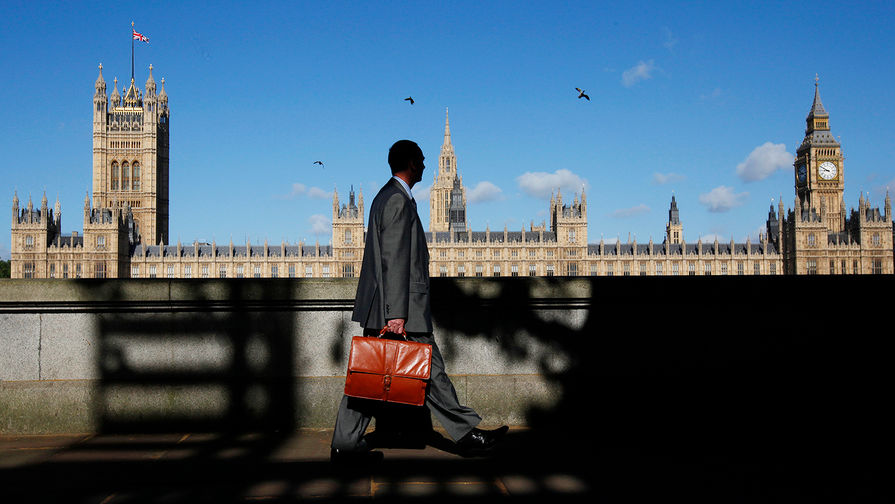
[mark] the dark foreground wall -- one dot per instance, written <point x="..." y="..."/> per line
<point x="800" y="362"/>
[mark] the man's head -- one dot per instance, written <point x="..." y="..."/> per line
<point x="405" y="158"/>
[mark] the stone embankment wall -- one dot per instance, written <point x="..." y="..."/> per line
<point x="767" y="363"/>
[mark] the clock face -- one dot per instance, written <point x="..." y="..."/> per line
<point x="803" y="173"/>
<point x="827" y="170"/>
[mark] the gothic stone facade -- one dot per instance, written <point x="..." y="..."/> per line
<point x="126" y="224"/>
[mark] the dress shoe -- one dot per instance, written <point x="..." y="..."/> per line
<point x="480" y="442"/>
<point x="343" y="457"/>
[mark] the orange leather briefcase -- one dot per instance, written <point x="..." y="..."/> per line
<point x="388" y="370"/>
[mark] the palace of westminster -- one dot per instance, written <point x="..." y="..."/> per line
<point x="125" y="232"/>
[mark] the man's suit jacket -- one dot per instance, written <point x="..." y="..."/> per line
<point x="394" y="276"/>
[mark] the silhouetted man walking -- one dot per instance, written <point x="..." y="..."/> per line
<point x="393" y="292"/>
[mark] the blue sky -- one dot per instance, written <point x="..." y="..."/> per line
<point x="704" y="100"/>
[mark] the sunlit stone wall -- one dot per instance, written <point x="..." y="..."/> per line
<point x="112" y="355"/>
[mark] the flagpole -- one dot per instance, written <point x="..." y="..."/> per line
<point x="132" y="52"/>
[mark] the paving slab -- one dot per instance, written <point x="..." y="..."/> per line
<point x="295" y="467"/>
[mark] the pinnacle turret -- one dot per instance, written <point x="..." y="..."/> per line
<point x="100" y="83"/>
<point x="162" y="95"/>
<point x="115" y="98"/>
<point x="150" y="84"/>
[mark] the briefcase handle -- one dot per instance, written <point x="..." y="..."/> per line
<point x="385" y="330"/>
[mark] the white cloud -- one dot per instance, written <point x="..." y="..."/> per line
<point x="722" y="199"/>
<point x="639" y="72"/>
<point x="320" y="224"/>
<point x="421" y="194"/>
<point x="713" y="95"/>
<point x="484" y="191"/>
<point x="711" y="237"/>
<point x="631" y="212"/>
<point x="763" y="161"/>
<point x="670" y="40"/>
<point x="666" y="178"/>
<point x="317" y="193"/>
<point x="299" y="189"/>
<point x="754" y="235"/>
<point x="543" y="184"/>
<point x="879" y="190"/>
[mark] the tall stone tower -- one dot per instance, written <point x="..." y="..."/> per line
<point x="674" y="230"/>
<point x="569" y="225"/>
<point x="447" y="198"/>
<point x="818" y="237"/>
<point x="348" y="234"/>
<point x="130" y="155"/>
<point x="819" y="177"/>
<point x="457" y="210"/>
<point x="569" y="222"/>
<point x="33" y="232"/>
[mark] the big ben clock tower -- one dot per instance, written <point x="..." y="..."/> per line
<point x="818" y="168"/>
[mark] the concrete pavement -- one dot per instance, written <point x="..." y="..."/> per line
<point x="532" y="466"/>
<point x="193" y="467"/>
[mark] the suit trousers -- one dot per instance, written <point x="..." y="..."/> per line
<point x="441" y="399"/>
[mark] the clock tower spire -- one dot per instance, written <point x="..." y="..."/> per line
<point x="818" y="167"/>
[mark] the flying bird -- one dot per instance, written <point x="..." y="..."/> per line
<point x="410" y="99"/>
<point x="319" y="162"/>
<point x="581" y="94"/>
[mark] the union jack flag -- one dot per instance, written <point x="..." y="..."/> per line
<point x="140" y="36"/>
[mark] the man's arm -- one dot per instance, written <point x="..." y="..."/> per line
<point x="395" y="235"/>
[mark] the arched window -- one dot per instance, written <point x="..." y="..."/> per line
<point x="136" y="176"/>
<point x="115" y="175"/>
<point x="125" y="176"/>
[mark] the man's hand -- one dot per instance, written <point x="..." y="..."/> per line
<point x="396" y="326"/>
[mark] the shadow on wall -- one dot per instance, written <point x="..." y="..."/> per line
<point x="782" y="376"/>
<point x="224" y="367"/>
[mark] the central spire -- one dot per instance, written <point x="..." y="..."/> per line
<point x="447" y="197"/>
<point x="446" y="161"/>
<point x="818" y="120"/>
<point x="817" y="108"/>
<point x="447" y="128"/>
